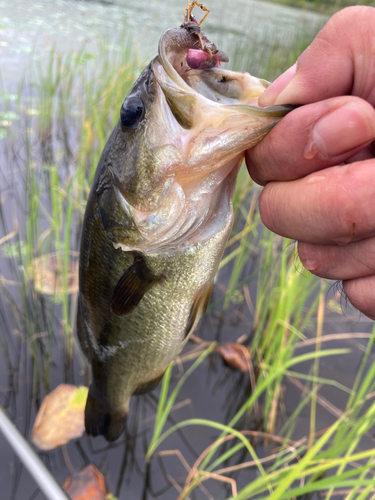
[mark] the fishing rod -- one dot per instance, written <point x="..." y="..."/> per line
<point x="42" y="476"/>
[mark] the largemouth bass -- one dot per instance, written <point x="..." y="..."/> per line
<point x="159" y="215"/>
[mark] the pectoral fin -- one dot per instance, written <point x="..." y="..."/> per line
<point x="132" y="286"/>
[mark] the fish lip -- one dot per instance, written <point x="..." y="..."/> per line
<point x="167" y="66"/>
<point x="184" y="35"/>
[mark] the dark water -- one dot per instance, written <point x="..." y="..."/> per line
<point x="213" y="391"/>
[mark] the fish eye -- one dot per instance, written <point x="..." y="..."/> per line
<point x="132" y="111"/>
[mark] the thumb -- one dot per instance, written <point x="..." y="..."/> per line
<point x="340" y="61"/>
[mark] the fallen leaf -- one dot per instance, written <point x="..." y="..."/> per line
<point x="87" y="484"/>
<point x="235" y="356"/>
<point x="46" y="271"/>
<point x="60" y="417"/>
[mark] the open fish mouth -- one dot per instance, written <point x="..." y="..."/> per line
<point x="193" y="65"/>
<point x="201" y="121"/>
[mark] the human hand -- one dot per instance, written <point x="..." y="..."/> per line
<point x="318" y="163"/>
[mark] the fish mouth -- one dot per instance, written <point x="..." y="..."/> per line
<point x="193" y="74"/>
<point x="203" y="119"/>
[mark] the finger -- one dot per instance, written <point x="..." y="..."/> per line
<point x="340" y="61"/>
<point x="361" y="293"/>
<point x="355" y="260"/>
<point x="311" y="138"/>
<point x="334" y="206"/>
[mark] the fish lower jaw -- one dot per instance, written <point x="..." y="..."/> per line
<point x="191" y="211"/>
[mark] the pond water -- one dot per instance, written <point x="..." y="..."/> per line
<point x="35" y="28"/>
<point x="27" y="33"/>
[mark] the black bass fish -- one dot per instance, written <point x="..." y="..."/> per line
<point x="159" y="215"/>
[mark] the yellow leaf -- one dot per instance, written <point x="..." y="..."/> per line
<point x="60" y="418"/>
<point x="80" y="397"/>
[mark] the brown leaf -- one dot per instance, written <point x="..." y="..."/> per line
<point x="87" y="484"/>
<point x="60" y="417"/>
<point x="235" y="356"/>
<point x="47" y="270"/>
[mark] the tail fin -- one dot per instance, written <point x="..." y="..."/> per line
<point x="99" y="421"/>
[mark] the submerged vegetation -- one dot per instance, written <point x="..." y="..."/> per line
<point x="53" y="130"/>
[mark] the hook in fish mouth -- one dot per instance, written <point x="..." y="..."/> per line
<point x="192" y="64"/>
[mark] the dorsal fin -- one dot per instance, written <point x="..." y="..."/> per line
<point x="132" y="286"/>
